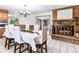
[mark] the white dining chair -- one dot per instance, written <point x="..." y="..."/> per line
<point x="36" y="28"/>
<point x="8" y="34"/>
<point x="18" y="40"/>
<point x="43" y="40"/>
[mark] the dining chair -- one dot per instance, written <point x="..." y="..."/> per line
<point x="36" y="28"/>
<point x="43" y="40"/>
<point x="8" y="34"/>
<point x="18" y="40"/>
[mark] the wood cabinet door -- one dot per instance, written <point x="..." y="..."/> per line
<point x="76" y="12"/>
<point x="1" y="32"/>
<point x="1" y="16"/>
<point x="54" y="14"/>
<point x="5" y="16"/>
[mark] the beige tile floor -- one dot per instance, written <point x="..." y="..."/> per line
<point x="54" y="46"/>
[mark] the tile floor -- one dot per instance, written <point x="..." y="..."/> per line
<point x="54" y="46"/>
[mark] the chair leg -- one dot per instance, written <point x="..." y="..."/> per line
<point x="6" y="43"/>
<point x="30" y="50"/>
<point x="41" y="49"/>
<point x="37" y="48"/>
<point x="19" y="48"/>
<point x="46" y="46"/>
<point x="28" y="46"/>
<point x="22" y="45"/>
<point x="15" y="48"/>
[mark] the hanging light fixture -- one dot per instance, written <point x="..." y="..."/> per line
<point x="25" y="12"/>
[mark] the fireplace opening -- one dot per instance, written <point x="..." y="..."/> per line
<point x="64" y="29"/>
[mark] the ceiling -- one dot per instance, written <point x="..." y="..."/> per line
<point x="15" y="9"/>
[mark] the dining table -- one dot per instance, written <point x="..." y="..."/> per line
<point x="30" y="37"/>
<point x="33" y="38"/>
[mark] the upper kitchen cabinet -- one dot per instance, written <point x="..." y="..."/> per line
<point x="3" y="16"/>
<point x="76" y="11"/>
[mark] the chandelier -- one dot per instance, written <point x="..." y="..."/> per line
<point x="25" y="12"/>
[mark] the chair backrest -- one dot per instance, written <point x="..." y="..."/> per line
<point x="36" y="28"/>
<point x="27" y="26"/>
<point x="8" y="31"/>
<point x="44" y="34"/>
<point x="17" y="35"/>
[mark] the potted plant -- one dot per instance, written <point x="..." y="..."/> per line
<point x="14" y="21"/>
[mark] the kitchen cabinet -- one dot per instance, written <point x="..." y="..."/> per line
<point x="3" y="16"/>
<point x="3" y="21"/>
<point x="76" y="12"/>
<point x="1" y="32"/>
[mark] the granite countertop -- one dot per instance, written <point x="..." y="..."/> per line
<point x="3" y="23"/>
<point x="2" y="27"/>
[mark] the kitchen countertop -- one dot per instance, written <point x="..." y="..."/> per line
<point x="2" y="27"/>
<point x="3" y="23"/>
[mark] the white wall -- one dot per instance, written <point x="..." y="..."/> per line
<point x="45" y="13"/>
<point x="22" y="19"/>
<point x="31" y="19"/>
